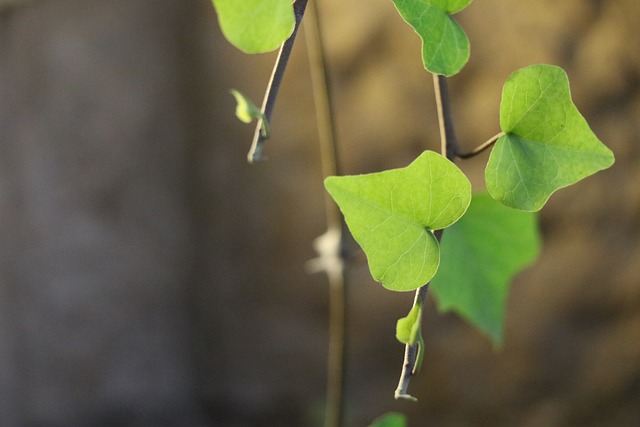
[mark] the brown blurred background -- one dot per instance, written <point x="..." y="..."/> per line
<point x="151" y="277"/>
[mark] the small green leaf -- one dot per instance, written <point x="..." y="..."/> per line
<point x="390" y="419"/>
<point x="408" y="328"/>
<point x="408" y="332"/>
<point x="548" y="144"/>
<point x="246" y="112"/>
<point x="481" y="254"/>
<point x="392" y="215"/>
<point x="445" y="46"/>
<point x="255" y="26"/>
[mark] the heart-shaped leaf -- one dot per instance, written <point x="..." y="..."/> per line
<point x="392" y="215"/>
<point x="547" y="144"/>
<point x="255" y="26"/>
<point x="480" y="255"/>
<point x="445" y="46"/>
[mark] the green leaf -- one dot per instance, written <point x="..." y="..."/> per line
<point x="390" y="419"/>
<point x="445" y="46"/>
<point x="255" y="26"/>
<point x="408" y="332"/>
<point x="408" y="328"/>
<point x="392" y="215"/>
<point x="548" y="144"/>
<point x="246" y="112"/>
<point x="481" y="254"/>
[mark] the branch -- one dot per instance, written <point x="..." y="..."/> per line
<point x="450" y="149"/>
<point x="410" y="366"/>
<point x="323" y="108"/>
<point x="269" y="102"/>
<point x="448" y="142"/>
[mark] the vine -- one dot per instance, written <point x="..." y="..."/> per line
<point x="399" y="216"/>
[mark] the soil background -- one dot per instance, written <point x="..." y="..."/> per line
<point x="150" y="277"/>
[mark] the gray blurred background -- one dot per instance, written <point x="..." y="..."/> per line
<point x="151" y="277"/>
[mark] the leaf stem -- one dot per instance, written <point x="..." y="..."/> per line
<point x="480" y="148"/>
<point x="269" y="101"/>
<point x="332" y="257"/>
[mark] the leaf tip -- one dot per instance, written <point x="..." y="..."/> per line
<point x="330" y="183"/>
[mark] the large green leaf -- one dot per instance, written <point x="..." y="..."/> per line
<point x="392" y="215"/>
<point x="548" y="144"/>
<point x="480" y="255"/>
<point x="445" y="46"/>
<point x="255" y="26"/>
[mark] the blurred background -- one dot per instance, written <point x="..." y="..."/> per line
<point x="151" y="277"/>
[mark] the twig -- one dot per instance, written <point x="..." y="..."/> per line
<point x="410" y="354"/>
<point x="323" y="107"/>
<point x="450" y="149"/>
<point x="330" y="245"/>
<point x="448" y="142"/>
<point x="269" y="102"/>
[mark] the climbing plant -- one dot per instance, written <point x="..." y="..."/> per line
<point x="398" y="216"/>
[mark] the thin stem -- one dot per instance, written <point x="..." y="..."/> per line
<point x="410" y="354"/>
<point x="336" y="352"/>
<point x="480" y="148"/>
<point x="448" y="141"/>
<point x="411" y="351"/>
<point x="323" y="108"/>
<point x="449" y="149"/>
<point x="269" y="102"/>
<point x="331" y="254"/>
